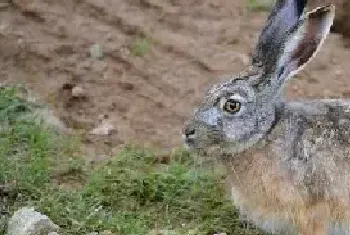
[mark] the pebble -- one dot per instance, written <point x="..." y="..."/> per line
<point x="78" y="91"/>
<point x="105" y="128"/>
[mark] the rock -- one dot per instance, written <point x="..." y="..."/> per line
<point x="53" y="233"/>
<point x="27" y="221"/>
<point x="78" y="92"/>
<point x="105" y="128"/>
<point x="339" y="72"/>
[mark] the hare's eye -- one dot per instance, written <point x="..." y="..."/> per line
<point x="232" y="106"/>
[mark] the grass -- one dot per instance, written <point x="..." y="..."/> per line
<point x="131" y="194"/>
<point x="140" y="47"/>
<point x="260" y="5"/>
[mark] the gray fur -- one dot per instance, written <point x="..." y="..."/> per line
<point x="288" y="162"/>
<point x="312" y="142"/>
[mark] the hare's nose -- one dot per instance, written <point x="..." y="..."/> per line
<point x="189" y="131"/>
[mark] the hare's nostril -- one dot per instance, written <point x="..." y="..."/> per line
<point x="189" y="132"/>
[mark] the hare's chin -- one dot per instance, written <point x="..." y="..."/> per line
<point x="187" y="146"/>
<point x="189" y="140"/>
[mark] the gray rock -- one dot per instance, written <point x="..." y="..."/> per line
<point x="27" y="221"/>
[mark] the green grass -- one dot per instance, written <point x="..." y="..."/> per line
<point x="131" y="194"/>
<point x="260" y="5"/>
<point x="141" y="46"/>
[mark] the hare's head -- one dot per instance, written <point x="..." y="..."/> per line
<point x="239" y="112"/>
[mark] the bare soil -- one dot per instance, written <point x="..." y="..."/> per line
<point x="46" y="45"/>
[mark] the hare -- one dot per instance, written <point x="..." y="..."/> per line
<point x="288" y="163"/>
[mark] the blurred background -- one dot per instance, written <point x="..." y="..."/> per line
<point x="130" y="71"/>
<point x="119" y="72"/>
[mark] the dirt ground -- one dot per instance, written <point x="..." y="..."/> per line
<point x="46" y="45"/>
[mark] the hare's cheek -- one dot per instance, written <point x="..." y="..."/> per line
<point x="238" y="129"/>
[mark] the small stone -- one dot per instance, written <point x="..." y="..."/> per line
<point x="78" y="91"/>
<point x="220" y="234"/>
<point x="105" y="128"/>
<point x="53" y="233"/>
<point x="339" y="72"/>
<point x="27" y="221"/>
<point x="96" y="51"/>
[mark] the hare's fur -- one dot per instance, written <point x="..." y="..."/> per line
<point x="301" y="171"/>
<point x="288" y="163"/>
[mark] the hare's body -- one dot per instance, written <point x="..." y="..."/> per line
<point x="288" y="163"/>
<point x="300" y="168"/>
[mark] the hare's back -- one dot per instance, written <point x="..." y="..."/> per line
<point x="325" y="122"/>
<point x="319" y="131"/>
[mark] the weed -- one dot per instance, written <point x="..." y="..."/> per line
<point x="260" y="5"/>
<point x="141" y="46"/>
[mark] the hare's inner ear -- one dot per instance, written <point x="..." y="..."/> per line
<point x="303" y="42"/>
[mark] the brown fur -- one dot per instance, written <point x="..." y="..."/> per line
<point x="264" y="183"/>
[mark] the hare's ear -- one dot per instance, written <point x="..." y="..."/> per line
<point x="302" y="42"/>
<point x="284" y="16"/>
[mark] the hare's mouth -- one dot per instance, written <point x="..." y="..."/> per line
<point x="189" y="141"/>
<point x="194" y="142"/>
